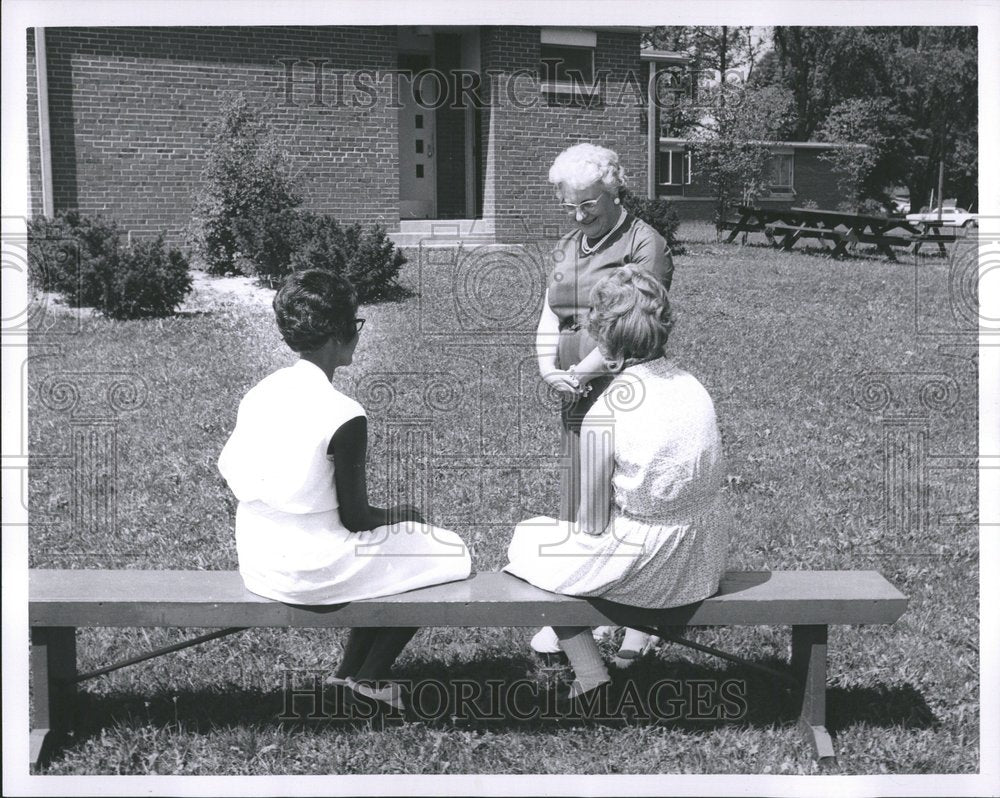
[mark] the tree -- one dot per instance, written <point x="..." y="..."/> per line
<point x="869" y="150"/>
<point x="926" y="81"/>
<point x="825" y="66"/>
<point x="734" y="148"/>
<point x="716" y="54"/>
<point x="246" y="179"/>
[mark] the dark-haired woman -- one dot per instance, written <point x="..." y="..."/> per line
<point x="651" y="530"/>
<point x="305" y="532"/>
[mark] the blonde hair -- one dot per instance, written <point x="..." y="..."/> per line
<point x="630" y="317"/>
<point x="582" y="165"/>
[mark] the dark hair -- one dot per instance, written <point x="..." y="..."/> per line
<point x="313" y="306"/>
<point x="630" y="317"/>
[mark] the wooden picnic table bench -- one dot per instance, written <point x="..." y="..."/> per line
<point x="846" y="230"/>
<point x="61" y="601"/>
<point x="790" y="234"/>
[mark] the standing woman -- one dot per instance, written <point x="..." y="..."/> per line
<point x="305" y="532"/>
<point x="588" y="180"/>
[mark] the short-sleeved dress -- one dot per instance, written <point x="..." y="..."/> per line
<point x="290" y="541"/>
<point x="573" y="276"/>
<point x="667" y="540"/>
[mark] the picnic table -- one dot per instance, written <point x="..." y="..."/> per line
<point x="785" y="226"/>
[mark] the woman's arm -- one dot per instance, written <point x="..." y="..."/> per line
<point x="651" y="253"/>
<point x="597" y="465"/>
<point x="546" y="349"/>
<point x="349" y="447"/>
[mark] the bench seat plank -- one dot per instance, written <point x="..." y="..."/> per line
<point x="85" y="598"/>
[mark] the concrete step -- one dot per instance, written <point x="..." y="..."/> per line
<point x="454" y="228"/>
<point x="428" y="240"/>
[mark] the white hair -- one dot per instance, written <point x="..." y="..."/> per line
<point x="582" y="165"/>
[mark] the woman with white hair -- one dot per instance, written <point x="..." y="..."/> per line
<point x="588" y="180"/>
<point x="651" y="530"/>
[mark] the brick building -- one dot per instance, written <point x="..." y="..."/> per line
<point x="467" y="131"/>
<point x="414" y="127"/>
<point x="798" y="174"/>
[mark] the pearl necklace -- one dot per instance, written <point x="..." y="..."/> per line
<point x="587" y="250"/>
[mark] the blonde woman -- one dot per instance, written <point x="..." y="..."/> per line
<point x="588" y="180"/>
<point x="650" y="531"/>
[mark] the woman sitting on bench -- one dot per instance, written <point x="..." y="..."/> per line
<point x="305" y="532"/>
<point x="651" y="530"/>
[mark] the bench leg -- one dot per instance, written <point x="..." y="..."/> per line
<point x="809" y="666"/>
<point x="53" y="662"/>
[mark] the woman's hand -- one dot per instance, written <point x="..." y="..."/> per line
<point x="565" y="382"/>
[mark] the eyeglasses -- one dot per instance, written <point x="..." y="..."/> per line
<point x="358" y="325"/>
<point x="586" y="206"/>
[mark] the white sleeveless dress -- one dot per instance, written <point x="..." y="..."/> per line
<point x="667" y="540"/>
<point x="290" y="541"/>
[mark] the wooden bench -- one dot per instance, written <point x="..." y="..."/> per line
<point x="61" y="601"/>
<point x="790" y="234"/>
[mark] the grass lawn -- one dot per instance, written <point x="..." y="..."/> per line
<point x="792" y="347"/>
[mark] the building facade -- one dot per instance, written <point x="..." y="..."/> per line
<point x="404" y="126"/>
<point x="382" y="124"/>
<point x="798" y="174"/>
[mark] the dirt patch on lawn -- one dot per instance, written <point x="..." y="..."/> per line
<point x="209" y="291"/>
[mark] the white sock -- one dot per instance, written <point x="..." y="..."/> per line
<point x="634" y="641"/>
<point x="545" y="641"/>
<point x="584" y="656"/>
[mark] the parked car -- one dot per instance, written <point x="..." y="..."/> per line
<point x="950" y="217"/>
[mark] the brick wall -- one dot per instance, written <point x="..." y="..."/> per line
<point x="815" y="180"/>
<point x="131" y="109"/>
<point x="522" y="135"/>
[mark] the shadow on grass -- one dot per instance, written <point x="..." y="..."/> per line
<point x="510" y="693"/>
<point x="868" y="254"/>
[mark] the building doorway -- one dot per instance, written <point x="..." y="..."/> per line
<point x="417" y="139"/>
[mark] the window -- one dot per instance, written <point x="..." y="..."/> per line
<point x="673" y="171"/>
<point x="564" y="64"/>
<point x="782" y="171"/>
<point x="567" y="58"/>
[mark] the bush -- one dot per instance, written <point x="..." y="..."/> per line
<point x="274" y="245"/>
<point x="82" y="259"/>
<point x="246" y="181"/>
<point x="148" y="282"/>
<point x="77" y="254"/>
<point x="658" y="213"/>
<point x="265" y="242"/>
<point x="366" y="257"/>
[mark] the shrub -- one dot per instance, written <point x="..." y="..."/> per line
<point x="82" y="259"/>
<point x="77" y="254"/>
<point x="265" y="242"/>
<point x="148" y="282"/>
<point x="246" y="180"/>
<point x="365" y="256"/>
<point x="658" y="213"/>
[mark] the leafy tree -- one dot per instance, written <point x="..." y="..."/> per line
<point x="247" y="176"/>
<point x="825" y="66"/>
<point x="716" y="54"/>
<point x="925" y="80"/>
<point x="870" y="149"/>
<point x="733" y="149"/>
